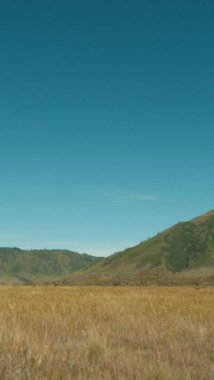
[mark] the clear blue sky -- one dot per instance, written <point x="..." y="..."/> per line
<point x="106" y="120"/>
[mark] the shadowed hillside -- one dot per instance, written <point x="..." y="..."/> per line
<point x="17" y="265"/>
<point x="183" y="251"/>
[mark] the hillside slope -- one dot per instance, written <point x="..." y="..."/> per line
<point x="23" y="266"/>
<point x="184" y="250"/>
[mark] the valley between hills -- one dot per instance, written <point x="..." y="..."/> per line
<point x="182" y="254"/>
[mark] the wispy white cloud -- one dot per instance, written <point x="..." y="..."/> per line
<point x="140" y="197"/>
<point x="120" y="196"/>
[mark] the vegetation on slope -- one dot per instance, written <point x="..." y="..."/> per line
<point x="190" y="245"/>
<point x="19" y="265"/>
<point x="183" y="248"/>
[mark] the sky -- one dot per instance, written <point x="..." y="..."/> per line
<point x="106" y="120"/>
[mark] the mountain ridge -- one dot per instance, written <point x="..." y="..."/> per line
<point x="38" y="265"/>
<point x="180" y="253"/>
<point x="185" y="249"/>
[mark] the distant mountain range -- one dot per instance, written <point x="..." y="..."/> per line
<point x="183" y="253"/>
<point x="26" y="266"/>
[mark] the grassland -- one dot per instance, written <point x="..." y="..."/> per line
<point x="145" y="333"/>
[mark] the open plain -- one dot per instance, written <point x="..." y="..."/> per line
<point x="142" y="333"/>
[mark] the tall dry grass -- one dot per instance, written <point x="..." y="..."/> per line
<point x="92" y="333"/>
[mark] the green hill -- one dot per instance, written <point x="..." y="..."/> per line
<point x="24" y="266"/>
<point x="182" y="252"/>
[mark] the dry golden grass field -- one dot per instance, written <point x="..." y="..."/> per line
<point x="136" y="333"/>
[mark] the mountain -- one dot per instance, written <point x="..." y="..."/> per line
<point x="181" y="254"/>
<point x="24" y="266"/>
<point x="184" y="252"/>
